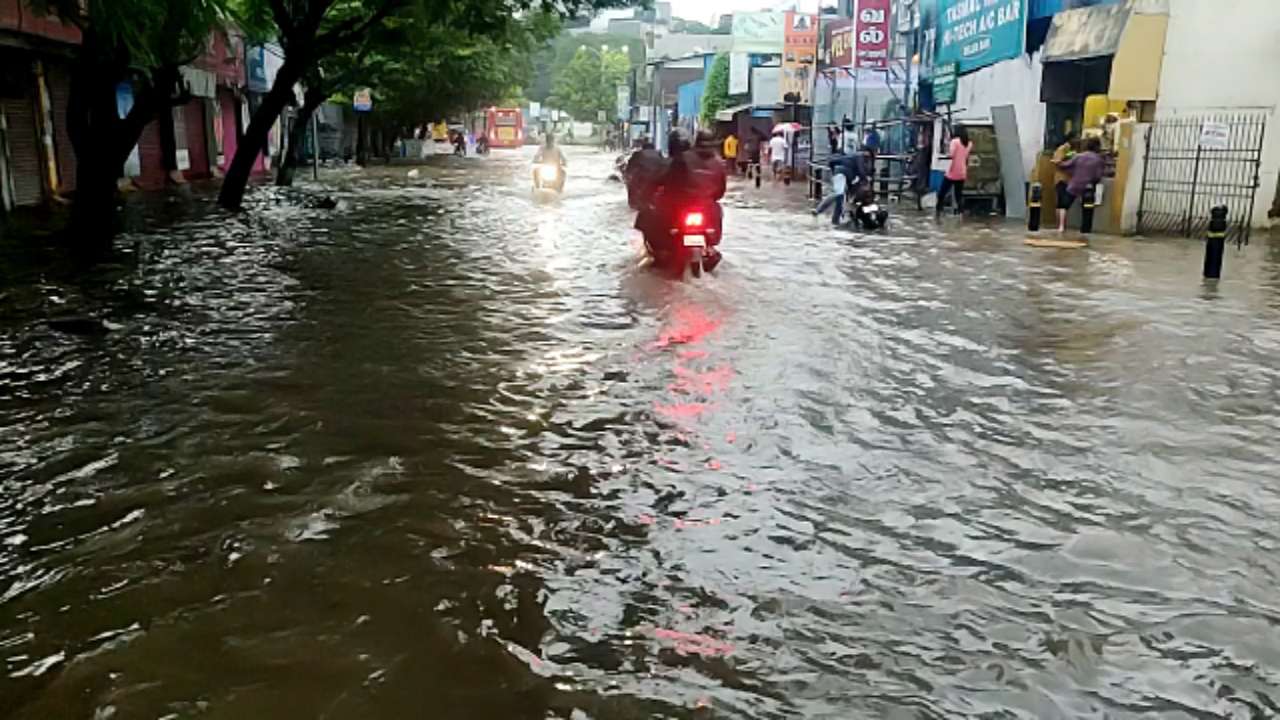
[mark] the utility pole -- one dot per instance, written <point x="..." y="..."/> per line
<point x="315" y="144"/>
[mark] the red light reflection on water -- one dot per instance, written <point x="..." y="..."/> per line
<point x="695" y="643"/>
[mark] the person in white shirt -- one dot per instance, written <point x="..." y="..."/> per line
<point x="778" y="154"/>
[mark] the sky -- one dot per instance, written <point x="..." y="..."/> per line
<point x="704" y="10"/>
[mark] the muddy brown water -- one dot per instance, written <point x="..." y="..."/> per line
<point x="445" y="452"/>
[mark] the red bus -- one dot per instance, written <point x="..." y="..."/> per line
<point x="505" y="127"/>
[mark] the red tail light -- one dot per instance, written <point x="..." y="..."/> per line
<point x="694" y="220"/>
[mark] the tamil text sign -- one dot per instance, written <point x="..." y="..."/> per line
<point x="872" y="34"/>
<point x="837" y="43"/>
<point x="978" y="33"/>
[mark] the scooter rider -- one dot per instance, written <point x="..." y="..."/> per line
<point x="549" y="154"/>
<point x="693" y="177"/>
<point x="645" y="169"/>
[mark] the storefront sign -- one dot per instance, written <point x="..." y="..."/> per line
<point x="758" y="32"/>
<point x="945" y="80"/>
<point x="623" y="107"/>
<point x="739" y="74"/>
<point x="800" y="55"/>
<point x="124" y="104"/>
<point x="766" y="86"/>
<point x="872" y="34"/>
<point x="837" y="43"/>
<point x="257" y="69"/>
<point x="200" y="83"/>
<point x="1215" y="136"/>
<point x="908" y="17"/>
<point x="363" y="100"/>
<point x="978" y="33"/>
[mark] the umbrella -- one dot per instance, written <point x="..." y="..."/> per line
<point x="785" y="127"/>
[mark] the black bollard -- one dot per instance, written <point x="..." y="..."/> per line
<point x="1034" y="200"/>
<point x="1216" y="242"/>
<point x="1086" y="209"/>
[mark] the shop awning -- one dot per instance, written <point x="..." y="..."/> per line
<point x="201" y="83"/>
<point x="1129" y="36"/>
<point x="1086" y="33"/>
<point x="728" y="114"/>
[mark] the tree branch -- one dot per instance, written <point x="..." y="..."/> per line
<point x="284" y="19"/>
<point x="353" y="28"/>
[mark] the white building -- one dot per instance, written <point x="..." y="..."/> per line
<point x="1167" y="59"/>
<point x="1222" y="56"/>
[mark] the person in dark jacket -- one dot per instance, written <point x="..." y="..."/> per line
<point x="847" y="171"/>
<point x="645" y="168"/>
<point x="694" y="177"/>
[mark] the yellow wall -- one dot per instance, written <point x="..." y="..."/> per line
<point x="1135" y="74"/>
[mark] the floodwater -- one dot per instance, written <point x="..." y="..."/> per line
<point x="445" y="452"/>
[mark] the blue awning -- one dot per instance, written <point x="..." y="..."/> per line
<point x="1039" y="9"/>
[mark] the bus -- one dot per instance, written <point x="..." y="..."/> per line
<point x="505" y="127"/>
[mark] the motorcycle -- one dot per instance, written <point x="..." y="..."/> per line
<point x="619" y="173"/>
<point x="692" y="233"/>
<point x="482" y="145"/>
<point x="548" y="176"/>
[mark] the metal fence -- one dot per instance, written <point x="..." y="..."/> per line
<point x="1194" y="164"/>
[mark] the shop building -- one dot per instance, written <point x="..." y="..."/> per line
<point x="37" y="162"/>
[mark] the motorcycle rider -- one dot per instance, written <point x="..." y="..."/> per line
<point x="549" y="154"/>
<point x="645" y="168"/>
<point x="693" y="178"/>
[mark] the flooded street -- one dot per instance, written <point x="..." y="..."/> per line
<point x="445" y="452"/>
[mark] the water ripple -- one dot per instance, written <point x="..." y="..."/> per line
<point x="446" y="445"/>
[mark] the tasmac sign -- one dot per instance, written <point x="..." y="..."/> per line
<point x="978" y="33"/>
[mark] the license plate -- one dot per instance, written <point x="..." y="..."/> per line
<point x="695" y="241"/>
<point x="872" y="208"/>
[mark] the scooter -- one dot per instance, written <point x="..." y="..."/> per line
<point x="693" y="234"/>
<point x="870" y="215"/>
<point x="548" y="176"/>
<point x="482" y="145"/>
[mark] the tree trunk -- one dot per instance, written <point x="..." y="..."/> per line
<point x="168" y="144"/>
<point x="255" y="137"/>
<point x="311" y="102"/>
<point x="97" y="136"/>
<point x="362" y="150"/>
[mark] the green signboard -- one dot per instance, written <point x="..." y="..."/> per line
<point x="978" y="33"/>
<point x="945" y="79"/>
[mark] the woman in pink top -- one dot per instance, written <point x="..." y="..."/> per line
<point x="959" y="170"/>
